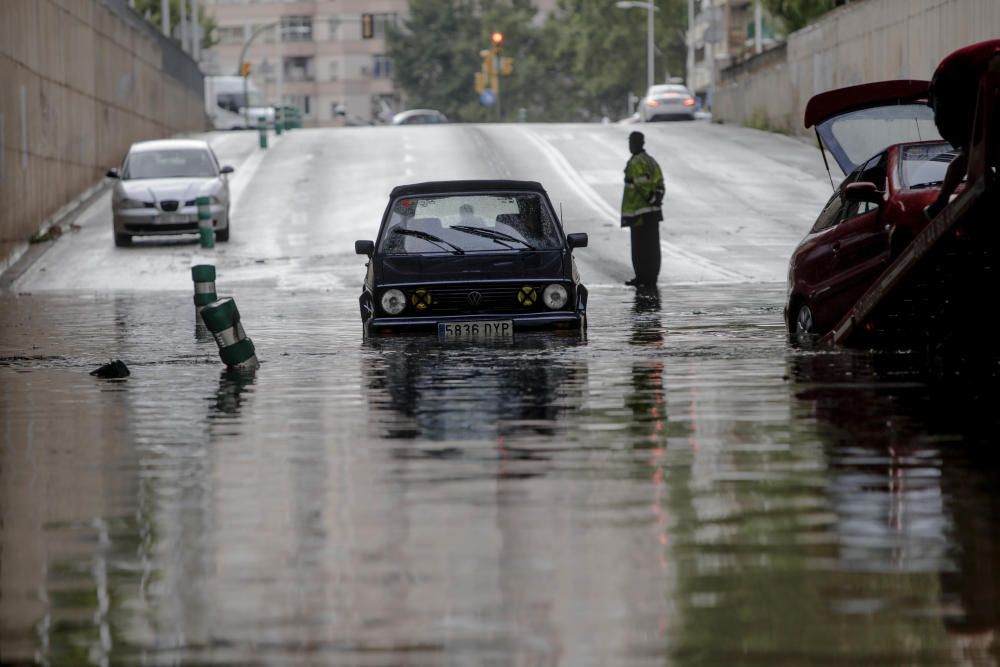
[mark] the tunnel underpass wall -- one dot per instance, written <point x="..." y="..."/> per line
<point x="81" y="80"/>
<point x="865" y="41"/>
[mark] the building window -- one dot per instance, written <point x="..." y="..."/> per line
<point x="380" y="23"/>
<point x="334" y="70"/>
<point x="230" y="34"/>
<point x="299" y="68"/>
<point x="301" y="102"/>
<point x="381" y="67"/>
<point x="296" y="28"/>
<point x="334" y="29"/>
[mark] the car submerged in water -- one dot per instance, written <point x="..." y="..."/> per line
<point x="882" y="135"/>
<point x="471" y="260"/>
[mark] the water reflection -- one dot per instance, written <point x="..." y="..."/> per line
<point x="441" y="391"/>
<point x="914" y="479"/>
<point x="233" y="383"/>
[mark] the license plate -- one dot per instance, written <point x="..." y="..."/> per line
<point x="171" y="219"/>
<point x="476" y="330"/>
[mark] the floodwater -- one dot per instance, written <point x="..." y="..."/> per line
<point x="681" y="487"/>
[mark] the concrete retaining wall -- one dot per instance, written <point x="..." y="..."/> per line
<point x="80" y="80"/>
<point x="867" y="40"/>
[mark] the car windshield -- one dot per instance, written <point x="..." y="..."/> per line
<point x="169" y="163"/>
<point x="925" y="165"/>
<point x="470" y="223"/>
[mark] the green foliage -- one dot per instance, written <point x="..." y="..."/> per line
<point x="151" y="9"/>
<point x="579" y="64"/>
<point x="795" y="14"/>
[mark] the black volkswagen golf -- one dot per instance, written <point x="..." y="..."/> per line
<point x="471" y="259"/>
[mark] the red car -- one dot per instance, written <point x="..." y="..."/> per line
<point x="883" y="137"/>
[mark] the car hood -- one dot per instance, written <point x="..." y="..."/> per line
<point x="856" y="122"/>
<point x="182" y="189"/>
<point x="470" y="268"/>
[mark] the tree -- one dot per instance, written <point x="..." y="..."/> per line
<point x="795" y="14"/>
<point x="580" y="64"/>
<point x="151" y="10"/>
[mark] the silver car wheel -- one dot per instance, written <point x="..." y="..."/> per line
<point x="804" y="325"/>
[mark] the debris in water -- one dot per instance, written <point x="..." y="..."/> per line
<point x="113" y="370"/>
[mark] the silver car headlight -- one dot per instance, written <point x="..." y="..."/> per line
<point x="131" y="203"/>
<point x="555" y="296"/>
<point x="393" y="301"/>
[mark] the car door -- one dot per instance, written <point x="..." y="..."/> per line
<point x="861" y="245"/>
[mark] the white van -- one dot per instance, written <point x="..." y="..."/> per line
<point x="226" y="103"/>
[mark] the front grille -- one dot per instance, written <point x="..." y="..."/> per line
<point x="169" y="205"/>
<point x="463" y="300"/>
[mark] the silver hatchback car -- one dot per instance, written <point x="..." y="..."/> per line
<point x="157" y="189"/>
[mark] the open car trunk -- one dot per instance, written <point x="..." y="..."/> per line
<point x="856" y="122"/>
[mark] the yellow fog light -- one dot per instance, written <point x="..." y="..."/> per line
<point x="527" y="296"/>
<point x="421" y="299"/>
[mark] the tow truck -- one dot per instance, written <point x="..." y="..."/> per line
<point x="942" y="288"/>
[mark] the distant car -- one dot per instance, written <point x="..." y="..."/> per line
<point x="419" y="117"/>
<point x="667" y="101"/>
<point x="471" y="259"/>
<point x="878" y="208"/>
<point x="158" y="185"/>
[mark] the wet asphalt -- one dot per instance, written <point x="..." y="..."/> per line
<point x="680" y="486"/>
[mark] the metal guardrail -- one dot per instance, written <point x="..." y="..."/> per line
<point x="176" y="63"/>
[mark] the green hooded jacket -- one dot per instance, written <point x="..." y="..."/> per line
<point x="643" y="191"/>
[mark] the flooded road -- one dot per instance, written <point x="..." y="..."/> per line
<point x="681" y="487"/>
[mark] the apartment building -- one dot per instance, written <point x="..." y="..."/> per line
<point x="312" y="54"/>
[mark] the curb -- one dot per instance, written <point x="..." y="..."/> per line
<point x="25" y="254"/>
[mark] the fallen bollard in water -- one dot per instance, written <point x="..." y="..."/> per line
<point x="112" y="371"/>
<point x="203" y="276"/>
<point x="223" y="319"/>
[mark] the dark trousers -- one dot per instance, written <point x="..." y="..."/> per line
<point x="646" y="251"/>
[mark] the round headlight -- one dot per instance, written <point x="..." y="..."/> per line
<point x="393" y="301"/>
<point x="555" y="296"/>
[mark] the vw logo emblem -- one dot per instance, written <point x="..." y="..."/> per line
<point x="474" y="298"/>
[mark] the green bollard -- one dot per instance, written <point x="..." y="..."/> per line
<point x="235" y="349"/>
<point x="205" y="231"/>
<point x="262" y="129"/>
<point x="203" y="276"/>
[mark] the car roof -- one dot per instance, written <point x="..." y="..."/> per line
<point x="852" y="98"/>
<point x="164" y="144"/>
<point x="454" y="187"/>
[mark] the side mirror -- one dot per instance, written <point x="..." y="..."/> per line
<point x="866" y="192"/>
<point x="226" y="170"/>
<point x="364" y="248"/>
<point x="577" y="240"/>
<point x="113" y="173"/>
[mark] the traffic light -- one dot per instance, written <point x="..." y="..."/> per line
<point x="506" y="65"/>
<point x="480" y="82"/>
<point x="367" y="26"/>
<point x="244" y="69"/>
<point x="497" y="38"/>
<point x="487" y="55"/>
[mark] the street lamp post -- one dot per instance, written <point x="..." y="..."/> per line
<point x="239" y="67"/>
<point x="650" y="7"/>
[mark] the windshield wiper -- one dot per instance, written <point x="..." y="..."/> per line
<point x="493" y="235"/>
<point x="928" y="184"/>
<point x="430" y="238"/>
